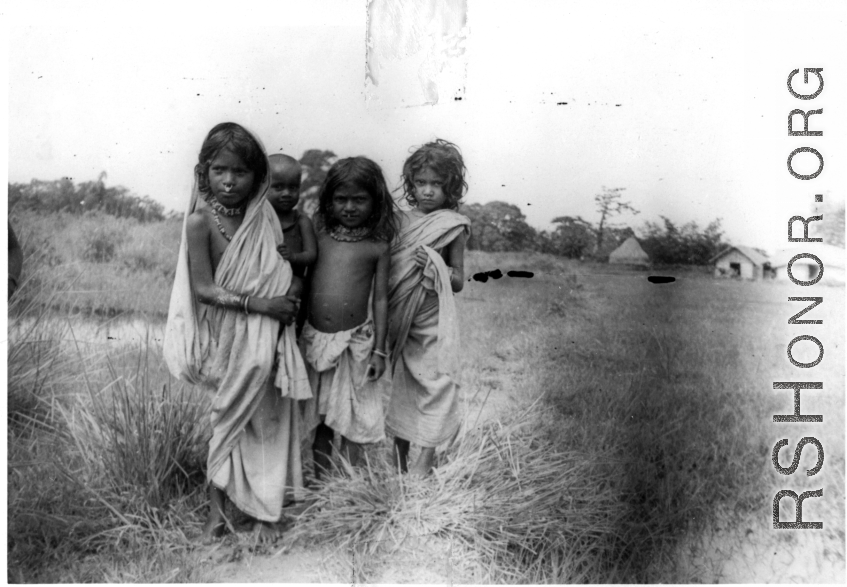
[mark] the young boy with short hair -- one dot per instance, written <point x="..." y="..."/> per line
<point x="299" y="247"/>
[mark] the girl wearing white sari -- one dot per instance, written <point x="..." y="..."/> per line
<point x="232" y="294"/>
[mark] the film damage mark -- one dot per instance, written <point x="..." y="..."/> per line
<point x="811" y="280"/>
<point x="661" y="279"/>
<point x="483" y="276"/>
<point x="416" y="51"/>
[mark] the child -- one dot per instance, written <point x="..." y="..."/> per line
<point x="231" y="292"/>
<point x="299" y="246"/>
<point x="344" y="345"/>
<point x="427" y="266"/>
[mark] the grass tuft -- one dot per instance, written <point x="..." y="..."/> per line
<point x="514" y="508"/>
<point x="141" y="436"/>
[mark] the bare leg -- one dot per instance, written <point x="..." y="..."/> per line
<point x="352" y="451"/>
<point x="423" y="466"/>
<point x="215" y="524"/>
<point x="267" y="531"/>
<point x="322" y="449"/>
<point x="401" y="454"/>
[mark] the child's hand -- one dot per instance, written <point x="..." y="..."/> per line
<point x="282" y="308"/>
<point x="421" y="258"/>
<point x="283" y="250"/>
<point x="376" y="367"/>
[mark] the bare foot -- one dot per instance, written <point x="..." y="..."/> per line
<point x="213" y="529"/>
<point x="215" y="525"/>
<point x="267" y="531"/>
<point x="423" y="466"/>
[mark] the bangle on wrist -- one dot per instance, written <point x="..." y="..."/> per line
<point x="380" y="353"/>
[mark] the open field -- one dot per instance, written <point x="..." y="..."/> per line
<point x="616" y="431"/>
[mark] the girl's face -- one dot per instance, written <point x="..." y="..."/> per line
<point x="428" y="190"/>
<point x="230" y="180"/>
<point x="351" y="206"/>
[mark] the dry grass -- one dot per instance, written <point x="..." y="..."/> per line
<point x="607" y="419"/>
<point x="655" y="416"/>
<point x="513" y="508"/>
<point x="104" y="265"/>
<point x="105" y="456"/>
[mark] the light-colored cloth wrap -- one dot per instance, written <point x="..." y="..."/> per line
<point x="254" y="452"/>
<point x="424" y="333"/>
<point x="337" y="364"/>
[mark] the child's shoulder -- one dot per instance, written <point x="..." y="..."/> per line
<point x="459" y="218"/>
<point x="198" y="219"/>
<point x="305" y="221"/>
<point x="380" y="245"/>
<point x="455" y="213"/>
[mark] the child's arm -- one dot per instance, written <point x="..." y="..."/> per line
<point x="198" y="235"/>
<point x="309" y="254"/>
<point x="295" y="290"/>
<point x="376" y="365"/>
<point x="456" y="262"/>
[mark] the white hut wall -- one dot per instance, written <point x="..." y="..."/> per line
<point x="748" y="270"/>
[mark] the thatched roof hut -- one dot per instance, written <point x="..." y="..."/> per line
<point x="629" y="253"/>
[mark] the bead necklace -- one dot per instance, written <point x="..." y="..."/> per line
<point x="349" y="235"/>
<point x="221" y="209"/>
<point x="220" y="226"/>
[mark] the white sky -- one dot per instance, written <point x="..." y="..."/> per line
<point x="700" y="133"/>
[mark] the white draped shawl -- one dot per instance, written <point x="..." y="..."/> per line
<point x="234" y="354"/>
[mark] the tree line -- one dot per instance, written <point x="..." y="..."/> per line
<point x="495" y="226"/>
<point x="63" y="195"/>
<point x="499" y="226"/>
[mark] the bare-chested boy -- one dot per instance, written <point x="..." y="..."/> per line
<point x="344" y="344"/>
<point x="299" y="247"/>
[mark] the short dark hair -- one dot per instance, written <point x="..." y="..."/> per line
<point x="283" y="158"/>
<point x="366" y="175"/>
<point x="235" y="138"/>
<point x="445" y="159"/>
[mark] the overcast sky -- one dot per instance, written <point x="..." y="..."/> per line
<point x="684" y="104"/>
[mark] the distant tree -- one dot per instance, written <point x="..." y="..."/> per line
<point x="544" y="243"/>
<point x="498" y="226"/>
<point x="572" y="236"/>
<point x="608" y="203"/>
<point x="668" y="243"/>
<point x="62" y="195"/>
<point x="315" y="164"/>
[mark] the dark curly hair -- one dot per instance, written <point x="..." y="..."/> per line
<point x="445" y="159"/>
<point x="234" y="138"/>
<point x="366" y="175"/>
